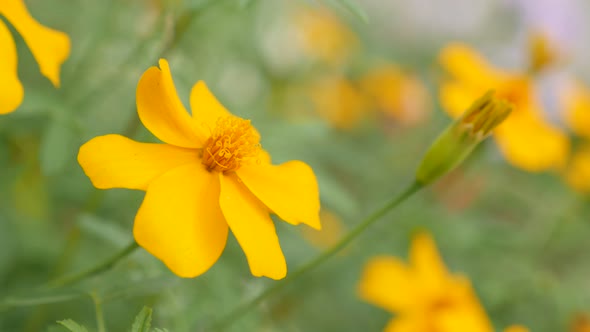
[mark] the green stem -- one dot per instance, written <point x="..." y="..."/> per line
<point x="101" y="267"/>
<point x="359" y="229"/>
<point x="100" y="323"/>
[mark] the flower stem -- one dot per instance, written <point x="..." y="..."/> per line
<point x="100" y="323"/>
<point x="359" y="229"/>
<point x="101" y="267"/>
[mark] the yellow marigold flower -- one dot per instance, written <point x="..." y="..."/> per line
<point x="580" y="323"/>
<point x="399" y="95"/>
<point x="324" y="36"/>
<point x="541" y="52"/>
<point x="526" y="138"/>
<point x="574" y="101"/>
<point x="338" y="101"/>
<point x="516" y="328"/>
<point x="577" y="175"/>
<point x="49" y="47"/>
<point x="332" y="231"/>
<point x="210" y="174"/>
<point x="423" y="294"/>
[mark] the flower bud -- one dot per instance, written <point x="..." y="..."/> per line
<point x="462" y="136"/>
<point x="541" y="53"/>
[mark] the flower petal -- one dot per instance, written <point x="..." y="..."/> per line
<point x="516" y="328"/>
<point x="388" y="283"/>
<point x="577" y="174"/>
<point x="530" y="143"/>
<point x="180" y="221"/>
<point x="161" y="112"/>
<point x="11" y="90"/>
<point x="407" y="324"/>
<point x="426" y="261"/>
<point x="114" y="161"/>
<point x="206" y="109"/>
<point x="290" y="190"/>
<point x="456" y="97"/>
<point x="467" y="315"/>
<point x="49" y="47"/>
<point x="249" y="221"/>
<point x="465" y="64"/>
<point x="575" y="102"/>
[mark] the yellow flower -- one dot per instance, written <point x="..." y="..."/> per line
<point x="49" y="47"/>
<point x="338" y="101"/>
<point x="577" y="174"/>
<point x="542" y="53"/>
<point x="580" y="323"/>
<point x="516" y="328"/>
<point x="331" y="232"/>
<point x="211" y="173"/>
<point x="424" y="295"/>
<point x="526" y="138"/>
<point x="399" y="95"/>
<point x="325" y="37"/>
<point x="574" y="102"/>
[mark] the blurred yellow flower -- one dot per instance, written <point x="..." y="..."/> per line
<point x="338" y="101"/>
<point x="324" y="36"/>
<point x="211" y="173"/>
<point x="398" y="94"/>
<point x="516" y="328"/>
<point x="49" y="47"/>
<point x="574" y="101"/>
<point x="526" y="138"/>
<point x="580" y="323"/>
<point x="577" y="174"/>
<point x="423" y="295"/>
<point x="332" y="230"/>
<point x="541" y="52"/>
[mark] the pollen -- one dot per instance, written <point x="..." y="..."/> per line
<point x="233" y="142"/>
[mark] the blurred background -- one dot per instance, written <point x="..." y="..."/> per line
<point x="351" y="87"/>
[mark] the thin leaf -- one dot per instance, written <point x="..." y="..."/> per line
<point x="11" y="302"/>
<point x="243" y="4"/>
<point x="143" y="321"/>
<point x="72" y="326"/>
<point x="354" y="8"/>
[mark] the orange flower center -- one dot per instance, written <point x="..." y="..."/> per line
<point x="441" y="304"/>
<point x="232" y="142"/>
<point x="517" y="91"/>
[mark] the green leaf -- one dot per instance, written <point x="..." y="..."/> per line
<point x="72" y="326"/>
<point x="143" y="321"/>
<point x="104" y="229"/>
<point x="354" y="8"/>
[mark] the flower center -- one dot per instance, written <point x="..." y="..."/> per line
<point x="232" y="142"/>
<point x="517" y="91"/>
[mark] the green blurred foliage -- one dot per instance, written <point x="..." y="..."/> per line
<point x="521" y="238"/>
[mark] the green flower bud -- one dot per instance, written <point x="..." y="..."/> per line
<point x="462" y="136"/>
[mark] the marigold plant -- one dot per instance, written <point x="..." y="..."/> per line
<point x="211" y="174"/>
